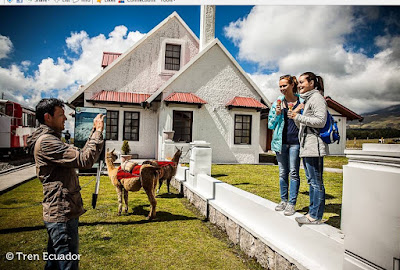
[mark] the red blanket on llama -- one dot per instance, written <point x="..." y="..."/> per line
<point x="136" y="170"/>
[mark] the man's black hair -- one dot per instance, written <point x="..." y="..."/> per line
<point x="47" y="105"/>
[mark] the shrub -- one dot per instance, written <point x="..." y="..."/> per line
<point x="125" y="147"/>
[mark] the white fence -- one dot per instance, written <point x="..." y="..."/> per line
<point x="370" y="215"/>
<point x="273" y="239"/>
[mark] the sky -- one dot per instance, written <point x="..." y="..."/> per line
<point x="50" y="51"/>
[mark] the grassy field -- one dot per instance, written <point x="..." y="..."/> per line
<point x="335" y="162"/>
<point x="178" y="239"/>
<point x="263" y="180"/>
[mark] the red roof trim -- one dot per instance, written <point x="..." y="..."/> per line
<point x="119" y="97"/>
<point x="108" y="58"/>
<point x="349" y="114"/>
<point x="246" y="102"/>
<point x="184" y="98"/>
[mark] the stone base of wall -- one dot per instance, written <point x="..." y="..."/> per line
<point x="253" y="247"/>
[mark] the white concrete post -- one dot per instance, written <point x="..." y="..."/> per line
<point x="371" y="207"/>
<point x="207" y="25"/>
<point x="200" y="161"/>
<point x="168" y="150"/>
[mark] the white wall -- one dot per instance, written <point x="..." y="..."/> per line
<point x="263" y="135"/>
<point x="214" y="78"/>
<point x="338" y="149"/>
<point x="308" y="247"/>
<point x="146" y="146"/>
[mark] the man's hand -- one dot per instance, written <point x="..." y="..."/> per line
<point x="98" y="122"/>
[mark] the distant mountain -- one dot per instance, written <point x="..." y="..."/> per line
<point x="383" y="118"/>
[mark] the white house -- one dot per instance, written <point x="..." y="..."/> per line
<point x="172" y="81"/>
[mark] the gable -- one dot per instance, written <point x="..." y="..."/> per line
<point x="138" y="69"/>
<point x="213" y="74"/>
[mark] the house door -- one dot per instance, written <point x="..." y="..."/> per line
<point x="269" y="139"/>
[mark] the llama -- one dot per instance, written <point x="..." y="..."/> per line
<point x="168" y="171"/>
<point x="148" y="178"/>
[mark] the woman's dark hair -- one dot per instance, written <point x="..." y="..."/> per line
<point x="318" y="81"/>
<point x="290" y="79"/>
<point x="47" y="105"/>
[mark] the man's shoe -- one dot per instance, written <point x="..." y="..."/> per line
<point x="305" y="220"/>
<point x="289" y="210"/>
<point x="281" y="206"/>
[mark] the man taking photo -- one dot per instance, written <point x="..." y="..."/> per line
<point x="56" y="162"/>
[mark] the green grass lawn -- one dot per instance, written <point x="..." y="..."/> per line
<point x="263" y="180"/>
<point x="335" y="162"/>
<point x="177" y="239"/>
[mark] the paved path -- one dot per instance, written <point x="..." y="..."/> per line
<point x="15" y="178"/>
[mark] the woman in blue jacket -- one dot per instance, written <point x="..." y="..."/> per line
<point x="285" y="142"/>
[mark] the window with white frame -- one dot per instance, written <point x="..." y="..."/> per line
<point x="131" y="126"/>
<point x="242" y="129"/>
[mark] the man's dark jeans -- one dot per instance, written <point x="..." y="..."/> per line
<point x="63" y="239"/>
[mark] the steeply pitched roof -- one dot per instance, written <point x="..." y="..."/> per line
<point x="174" y="14"/>
<point x="349" y="114"/>
<point x="215" y="42"/>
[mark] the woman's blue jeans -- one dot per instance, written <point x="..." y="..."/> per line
<point x="63" y="239"/>
<point x="313" y="167"/>
<point x="289" y="163"/>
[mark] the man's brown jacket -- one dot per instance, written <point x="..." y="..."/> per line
<point x="56" y="162"/>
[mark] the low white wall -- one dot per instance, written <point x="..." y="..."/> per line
<point x="307" y="246"/>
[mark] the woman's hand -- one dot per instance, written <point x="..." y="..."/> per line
<point x="299" y="108"/>
<point x="292" y="114"/>
<point x="278" y="109"/>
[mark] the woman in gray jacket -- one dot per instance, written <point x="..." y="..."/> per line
<point x="312" y="148"/>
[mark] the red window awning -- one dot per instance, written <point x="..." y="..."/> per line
<point x="119" y="97"/>
<point x="188" y="98"/>
<point x="245" y="102"/>
<point x="108" y="58"/>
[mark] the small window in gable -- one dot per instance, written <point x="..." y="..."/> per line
<point x="172" y="57"/>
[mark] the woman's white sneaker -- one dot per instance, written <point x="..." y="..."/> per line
<point x="281" y="206"/>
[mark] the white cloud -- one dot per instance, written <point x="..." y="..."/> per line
<point x="5" y="46"/>
<point x="61" y="77"/>
<point x="313" y="38"/>
<point x="74" y="41"/>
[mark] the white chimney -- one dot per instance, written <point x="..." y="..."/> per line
<point x="207" y="25"/>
